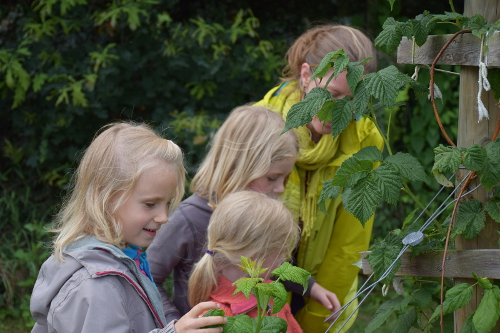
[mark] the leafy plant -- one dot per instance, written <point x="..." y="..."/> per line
<point x="265" y="293"/>
<point x="367" y="179"/>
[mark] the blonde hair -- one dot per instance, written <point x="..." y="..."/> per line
<point x="245" y="223"/>
<point x="242" y="150"/>
<point x="105" y="177"/>
<point x="318" y="41"/>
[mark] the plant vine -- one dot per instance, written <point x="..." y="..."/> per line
<point x="367" y="179"/>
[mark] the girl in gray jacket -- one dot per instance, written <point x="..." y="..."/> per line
<point x="97" y="279"/>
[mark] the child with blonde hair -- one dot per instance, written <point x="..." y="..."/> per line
<point x="246" y="224"/>
<point x="97" y="279"/>
<point x="247" y="152"/>
<point x="330" y="243"/>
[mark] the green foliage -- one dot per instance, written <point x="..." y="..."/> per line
<point x="384" y="254"/>
<point x="455" y="298"/>
<point x="470" y="219"/>
<point x="263" y="292"/>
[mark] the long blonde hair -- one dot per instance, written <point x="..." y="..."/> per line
<point x="245" y="223"/>
<point x="242" y="150"/>
<point x="105" y="177"/>
<point x="318" y="41"/>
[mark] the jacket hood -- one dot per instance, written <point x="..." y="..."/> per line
<point x="81" y="254"/>
<point x="198" y="202"/>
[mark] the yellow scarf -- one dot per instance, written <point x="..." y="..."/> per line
<point x="314" y="159"/>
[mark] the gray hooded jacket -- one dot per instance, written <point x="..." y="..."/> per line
<point x="96" y="289"/>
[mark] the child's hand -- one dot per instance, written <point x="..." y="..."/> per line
<point x="326" y="298"/>
<point x="193" y="321"/>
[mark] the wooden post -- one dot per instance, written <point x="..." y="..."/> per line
<point x="464" y="51"/>
<point x="470" y="132"/>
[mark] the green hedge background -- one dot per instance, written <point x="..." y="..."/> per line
<point x="68" y="67"/>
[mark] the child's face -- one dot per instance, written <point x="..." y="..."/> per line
<point x="337" y="87"/>
<point x="273" y="182"/>
<point x="146" y="209"/>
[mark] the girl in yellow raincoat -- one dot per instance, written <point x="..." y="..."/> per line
<point x="331" y="243"/>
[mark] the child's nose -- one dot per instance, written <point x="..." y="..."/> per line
<point x="162" y="217"/>
<point x="280" y="188"/>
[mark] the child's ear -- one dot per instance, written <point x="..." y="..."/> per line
<point x="305" y="74"/>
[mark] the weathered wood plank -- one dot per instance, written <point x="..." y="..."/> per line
<point x="464" y="50"/>
<point x="459" y="264"/>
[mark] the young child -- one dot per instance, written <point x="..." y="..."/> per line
<point x="97" y="279"/>
<point x="247" y="152"/>
<point x="246" y="224"/>
<point x="331" y="242"/>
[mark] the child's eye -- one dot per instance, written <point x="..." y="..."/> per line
<point x="272" y="179"/>
<point x="149" y="204"/>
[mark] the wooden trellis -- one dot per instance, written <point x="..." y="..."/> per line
<point x="481" y="254"/>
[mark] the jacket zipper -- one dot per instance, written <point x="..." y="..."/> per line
<point x="144" y="296"/>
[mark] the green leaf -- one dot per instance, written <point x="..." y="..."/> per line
<point x="421" y="298"/>
<point x="361" y="99"/>
<point x="409" y="218"/>
<point x="468" y="326"/>
<point x="238" y="324"/>
<point x="487" y="313"/>
<point x="389" y="182"/>
<point x="351" y="171"/>
<point x="455" y="298"/>
<point x="354" y="74"/>
<point x="441" y="179"/>
<point x="272" y="324"/>
<point x="213" y="313"/>
<point x="38" y="81"/>
<point x="370" y="153"/>
<point x="470" y="219"/>
<point x="494" y="79"/>
<point x="407" y="166"/>
<point x="364" y="198"/>
<point x="434" y="244"/>
<point x="388" y="40"/>
<point x="474" y="157"/>
<point x="245" y="285"/>
<point x="385" y="84"/>
<point x="448" y="16"/>
<point x="263" y="293"/>
<point x="340" y="64"/>
<point x="490" y="174"/>
<point x="383" y="254"/>
<point x="302" y="112"/>
<point x="341" y="116"/>
<point x="406" y="320"/>
<point x="328" y="192"/>
<point x="483" y="282"/>
<point x="420" y="32"/>
<point x="384" y="311"/>
<point x="447" y="159"/>
<point x="288" y="272"/>
<point x="280" y="296"/>
<point x="326" y="63"/>
<point x="493" y="209"/>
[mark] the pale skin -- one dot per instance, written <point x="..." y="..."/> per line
<point x="337" y="87"/>
<point x="142" y="214"/>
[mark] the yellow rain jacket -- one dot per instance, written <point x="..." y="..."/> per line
<point x="330" y="244"/>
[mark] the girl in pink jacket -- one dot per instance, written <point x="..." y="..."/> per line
<point x="248" y="224"/>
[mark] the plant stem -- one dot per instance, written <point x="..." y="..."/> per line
<point x="406" y="188"/>
<point x="386" y="139"/>
<point x="260" y="316"/>
<point x="452" y="6"/>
